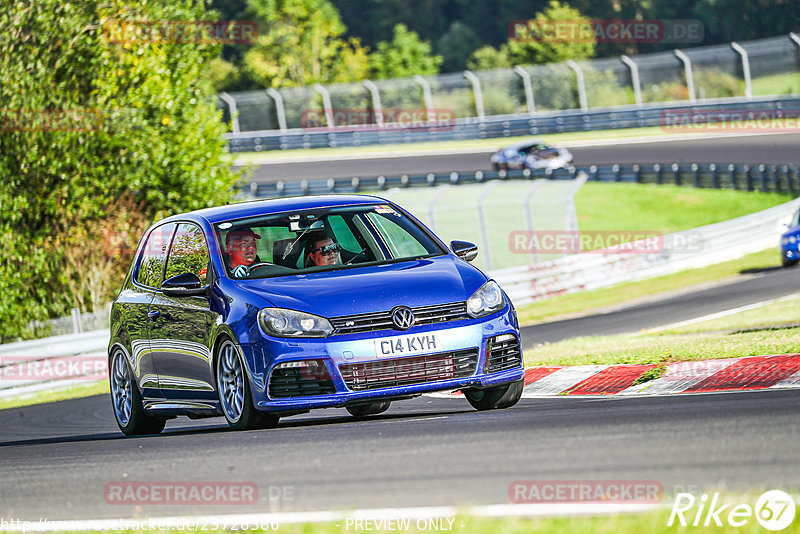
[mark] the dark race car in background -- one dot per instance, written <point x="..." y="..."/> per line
<point x="531" y="154"/>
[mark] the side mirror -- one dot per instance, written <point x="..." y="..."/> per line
<point x="464" y="250"/>
<point x="184" y="285"/>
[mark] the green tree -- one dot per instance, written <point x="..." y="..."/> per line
<point x="456" y="46"/>
<point x="302" y="43"/>
<point x="538" y="47"/>
<point x="404" y="55"/>
<point x="489" y="57"/>
<point x="107" y="122"/>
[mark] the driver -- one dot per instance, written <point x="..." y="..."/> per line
<point x="241" y="252"/>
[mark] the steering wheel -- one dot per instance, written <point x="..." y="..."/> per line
<point x="243" y="271"/>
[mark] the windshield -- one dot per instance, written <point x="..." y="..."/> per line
<point x="293" y="243"/>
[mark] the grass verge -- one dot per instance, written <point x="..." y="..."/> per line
<point x="41" y="397"/>
<point x="663" y="348"/>
<point x="756" y="332"/>
<point x="588" y="302"/>
<point x="664" y="208"/>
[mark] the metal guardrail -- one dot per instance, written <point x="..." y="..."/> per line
<point x="53" y="362"/>
<point x="743" y="177"/>
<point x="498" y="126"/>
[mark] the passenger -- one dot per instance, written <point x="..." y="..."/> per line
<point x="322" y="250"/>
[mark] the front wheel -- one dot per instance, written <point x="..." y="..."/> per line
<point x="127" y="401"/>
<point x="373" y="408"/>
<point x="234" y="392"/>
<point x="496" y="397"/>
<point x="788" y="263"/>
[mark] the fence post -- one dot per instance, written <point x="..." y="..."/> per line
<point x="77" y="327"/>
<point x="687" y="68"/>
<point x="748" y="87"/>
<point x="376" y="101"/>
<point x="426" y="93"/>
<point x="279" y="109"/>
<point x="476" y="92"/>
<point x="482" y="223"/>
<point x="526" y="83"/>
<point x="581" y="84"/>
<point x="228" y="99"/>
<point x="637" y="86"/>
<point x="529" y="214"/>
<point x="572" y="215"/>
<point x="326" y="104"/>
<point x="434" y="200"/>
<point x="732" y="170"/>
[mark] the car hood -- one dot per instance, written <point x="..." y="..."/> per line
<point x="414" y="283"/>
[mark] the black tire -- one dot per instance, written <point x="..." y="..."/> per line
<point x="788" y="263"/>
<point x="233" y="390"/>
<point x="373" y="408"/>
<point x="126" y="400"/>
<point x="495" y="398"/>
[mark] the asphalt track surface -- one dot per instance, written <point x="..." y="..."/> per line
<point x="56" y="459"/>
<point x="774" y="149"/>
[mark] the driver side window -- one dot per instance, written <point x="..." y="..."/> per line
<point x="189" y="253"/>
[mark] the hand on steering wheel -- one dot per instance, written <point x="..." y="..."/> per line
<point x="243" y="271"/>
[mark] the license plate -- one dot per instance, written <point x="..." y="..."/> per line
<point x="399" y="346"/>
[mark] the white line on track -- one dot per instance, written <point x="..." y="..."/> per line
<point x="724" y="313"/>
<point x="309" y="158"/>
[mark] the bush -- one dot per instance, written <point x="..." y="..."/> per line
<point x="99" y="136"/>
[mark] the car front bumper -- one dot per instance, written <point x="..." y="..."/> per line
<point x="375" y="349"/>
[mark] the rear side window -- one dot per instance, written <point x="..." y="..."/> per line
<point x="189" y="253"/>
<point x="150" y="271"/>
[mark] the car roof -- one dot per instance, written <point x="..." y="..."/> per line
<point x="275" y="205"/>
<point x="523" y="144"/>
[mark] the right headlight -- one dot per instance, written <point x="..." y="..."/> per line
<point x="291" y="323"/>
<point x="488" y="299"/>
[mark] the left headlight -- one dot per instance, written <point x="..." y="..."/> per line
<point x="488" y="299"/>
<point x="290" y="323"/>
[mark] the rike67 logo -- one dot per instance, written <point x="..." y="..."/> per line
<point x="774" y="510"/>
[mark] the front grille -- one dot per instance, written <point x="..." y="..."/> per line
<point x="423" y="315"/>
<point x="502" y="354"/>
<point x="300" y="382"/>
<point x="412" y="370"/>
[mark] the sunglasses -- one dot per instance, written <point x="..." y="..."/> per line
<point x="327" y="250"/>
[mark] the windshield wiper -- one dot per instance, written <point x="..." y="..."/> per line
<point x="363" y="250"/>
<point x="291" y="245"/>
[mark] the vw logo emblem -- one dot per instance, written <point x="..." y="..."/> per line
<point x="403" y="317"/>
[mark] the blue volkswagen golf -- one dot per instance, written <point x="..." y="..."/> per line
<point x="270" y="308"/>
